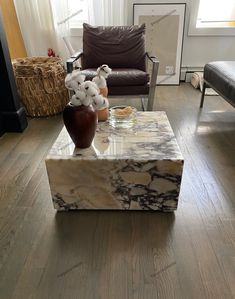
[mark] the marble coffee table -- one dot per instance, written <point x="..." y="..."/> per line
<point x="124" y="169"/>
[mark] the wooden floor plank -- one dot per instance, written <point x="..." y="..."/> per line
<point x="136" y="255"/>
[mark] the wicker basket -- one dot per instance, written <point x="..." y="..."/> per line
<point x="40" y="83"/>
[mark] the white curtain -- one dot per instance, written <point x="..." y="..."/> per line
<point x="44" y="23"/>
<point x="37" y="27"/>
<point x="38" y="21"/>
<point x="61" y="13"/>
<point x="108" y="12"/>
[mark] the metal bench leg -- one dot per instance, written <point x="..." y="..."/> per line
<point x="203" y="95"/>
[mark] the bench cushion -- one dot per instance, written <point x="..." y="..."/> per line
<point x="221" y="76"/>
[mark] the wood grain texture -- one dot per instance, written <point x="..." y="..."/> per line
<point x="13" y="33"/>
<point x="134" y="255"/>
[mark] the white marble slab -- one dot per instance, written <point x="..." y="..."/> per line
<point x="136" y="168"/>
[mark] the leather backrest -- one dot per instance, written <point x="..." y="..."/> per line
<point x="117" y="46"/>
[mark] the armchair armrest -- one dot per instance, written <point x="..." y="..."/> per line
<point x="153" y="80"/>
<point x="71" y="60"/>
<point x="153" y="59"/>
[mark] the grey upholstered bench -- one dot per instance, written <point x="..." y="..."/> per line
<point x="220" y="75"/>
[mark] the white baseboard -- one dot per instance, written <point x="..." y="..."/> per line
<point x="187" y="72"/>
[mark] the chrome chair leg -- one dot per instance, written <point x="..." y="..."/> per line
<point x="144" y="103"/>
<point x="153" y="83"/>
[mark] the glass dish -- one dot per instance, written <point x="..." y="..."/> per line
<point x="122" y="116"/>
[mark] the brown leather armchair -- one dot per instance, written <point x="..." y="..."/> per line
<point x="123" y="49"/>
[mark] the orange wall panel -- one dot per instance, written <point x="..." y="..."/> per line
<point x="14" y="36"/>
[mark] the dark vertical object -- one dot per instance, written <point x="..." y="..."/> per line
<point x="1" y="125"/>
<point x="12" y="114"/>
<point x="203" y="95"/>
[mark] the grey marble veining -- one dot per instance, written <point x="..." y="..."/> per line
<point x="150" y="138"/>
<point x="136" y="168"/>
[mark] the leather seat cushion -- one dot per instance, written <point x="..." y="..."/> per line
<point x="221" y="76"/>
<point x="129" y="90"/>
<point x="121" y="77"/>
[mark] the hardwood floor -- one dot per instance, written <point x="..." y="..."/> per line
<point x="144" y="255"/>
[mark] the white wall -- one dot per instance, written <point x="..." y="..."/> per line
<point x="197" y="50"/>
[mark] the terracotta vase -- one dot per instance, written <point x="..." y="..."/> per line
<point x="104" y="91"/>
<point x="103" y="114"/>
<point x="80" y="122"/>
